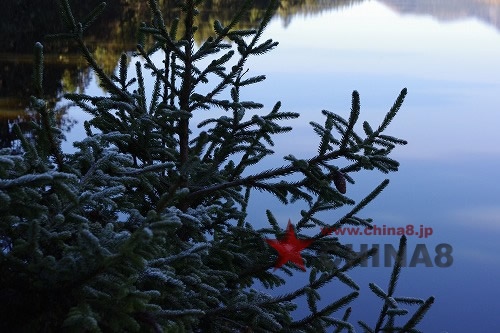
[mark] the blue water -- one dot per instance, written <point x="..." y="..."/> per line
<point x="447" y="53"/>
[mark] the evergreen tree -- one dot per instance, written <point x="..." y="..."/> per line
<point x="145" y="228"/>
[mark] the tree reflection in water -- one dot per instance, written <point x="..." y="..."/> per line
<point x="23" y="22"/>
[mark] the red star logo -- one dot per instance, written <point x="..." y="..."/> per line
<point x="289" y="248"/>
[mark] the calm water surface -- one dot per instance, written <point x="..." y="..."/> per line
<point x="447" y="53"/>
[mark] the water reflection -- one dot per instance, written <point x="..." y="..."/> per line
<point x="113" y="33"/>
<point x="65" y="71"/>
<point x="450" y="10"/>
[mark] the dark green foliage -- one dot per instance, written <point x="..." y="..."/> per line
<point x="144" y="228"/>
<point x="391" y="307"/>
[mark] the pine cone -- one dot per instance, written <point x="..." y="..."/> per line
<point x="339" y="180"/>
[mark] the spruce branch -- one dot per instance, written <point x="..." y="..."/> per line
<point x="345" y="318"/>
<point x="393" y="111"/>
<point x="353" y="118"/>
<point x="325" y="278"/>
<point x="327" y="310"/>
<point x="392" y="284"/>
<point x="268" y="174"/>
<point x="418" y="316"/>
<point x="41" y="107"/>
<point x="107" y="81"/>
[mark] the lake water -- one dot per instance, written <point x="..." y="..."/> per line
<point x="447" y="53"/>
